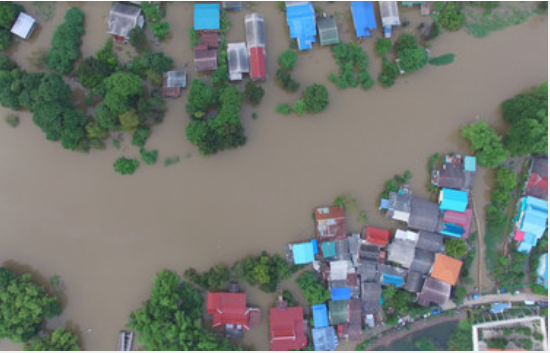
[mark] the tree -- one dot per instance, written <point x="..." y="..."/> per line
<point x="383" y="46"/>
<point x="66" y="42"/>
<point x="424" y="344"/>
<point x="253" y="93"/>
<point x="58" y="340"/>
<point x="148" y="157"/>
<point x="459" y="294"/>
<point x="452" y="17"/>
<point x="126" y="166"/>
<point x="8" y="14"/>
<point x="201" y="98"/>
<point x="300" y="107"/>
<point x="389" y="73"/>
<point x="129" y="121"/>
<point x="284" y="109"/>
<point x="287" y="59"/>
<point x="155" y="61"/>
<point x="314" y="293"/>
<point x="486" y="144"/>
<point x="461" y="339"/>
<point x="140" y="136"/>
<point x="412" y="57"/>
<point x="91" y="72"/>
<point x="316" y="98"/>
<point x="287" y="82"/>
<point x="5" y="39"/>
<point x="23" y="306"/>
<point x="455" y="248"/>
<point x="138" y="39"/>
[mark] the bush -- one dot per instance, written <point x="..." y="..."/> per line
<point x="126" y="166"/>
<point x="66" y="42"/>
<point x="452" y="17"/>
<point x="193" y="37"/>
<point x="316" y="98"/>
<point x="5" y="39"/>
<point x="284" y="109"/>
<point x="300" y="107"/>
<point x="412" y="57"/>
<point x="287" y="59"/>
<point x="389" y="73"/>
<point x="383" y="46"/>
<point x="148" y="157"/>
<point x="138" y="39"/>
<point x="455" y="248"/>
<point x="444" y="59"/>
<point x="253" y="93"/>
<point x="313" y="291"/>
<point x="12" y="120"/>
<point x="486" y="144"/>
<point x="287" y="82"/>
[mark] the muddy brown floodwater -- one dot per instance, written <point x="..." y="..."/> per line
<point x="106" y="235"/>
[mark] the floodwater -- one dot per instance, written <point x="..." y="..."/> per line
<point x="106" y="235"/>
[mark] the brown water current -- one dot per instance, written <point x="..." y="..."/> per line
<point x="106" y="235"/>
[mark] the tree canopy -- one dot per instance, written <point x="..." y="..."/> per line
<point x="287" y="59"/>
<point x="58" y="340"/>
<point x="452" y="16"/>
<point x="486" y="144"/>
<point x="316" y="98"/>
<point x="313" y="291"/>
<point x="412" y="57"/>
<point x="455" y="248"/>
<point x="353" y="63"/>
<point x="66" y="42"/>
<point x="8" y="14"/>
<point x="126" y="166"/>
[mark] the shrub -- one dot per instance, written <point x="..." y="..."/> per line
<point x="313" y="291"/>
<point x="12" y="120"/>
<point x="300" y="107"/>
<point x="389" y="73"/>
<point x="287" y="59"/>
<point x="253" y="93"/>
<point x="284" y="109"/>
<point x="452" y="17"/>
<point x="486" y="144"/>
<point x="66" y="42"/>
<point x="5" y="39"/>
<point x="383" y="46"/>
<point x="287" y="82"/>
<point x="444" y="59"/>
<point x="138" y="39"/>
<point x="316" y="98"/>
<point x="148" y="157"/>
<point x="412" y="57"/>
<point x="126" y="166"/>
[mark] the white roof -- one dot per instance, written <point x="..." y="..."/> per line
<point x="389" y="13"/>
<point x="339" y="270"/>
<point x="237" y="59"/>
<point x="23" y="25"/>
<point x="406" y="235"/>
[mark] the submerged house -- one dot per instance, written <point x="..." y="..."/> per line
<point x="446" y="269"/>
<point x="391" y="275"/>
<point x="401" y="252"/>
<point x="300" y="17"/>
<point x="363" y="18"/>
<point x="371" y="298"/>
<point x="430" y="241"/>
<point x="286" y="328"/>
<point x="338" y="312"/>
<point x="456" y="224"/>
<point x="434" y="292"/>
<point x="229" y="310"/>
<point x="324" y="338"/>
<point x="423" y="261"/>
<point x="532" y="222"/>
<point x="206" y="59"/>
<point x="390" y="16"/>
<point x="414" y="282"/>
<point x="328" y="30"/>
<point x="237" y="60"/>
<point x="206" y="17"/>
<point x="255" y="43"/>
<point x="424" y="215"/>
<point x="173" y="82"/>
<point x="23" y="26"/>
<point x="399" y="206"/>
<point x="457" y="173"/>
<point x="123" y="19"/>
<point x="330" y="223"/>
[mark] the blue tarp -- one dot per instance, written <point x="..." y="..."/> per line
<point x="301" y="23"/>
<point x="320" y="315"/>
<point x="470" y="164"/>
<point x="394" y="280"/>
<point x="498" y="308"/>
<point x="341" y="293"/>
<point x="453" y="200"/>
<point x="303" y="253"/>
<point x="363" y="17"/>
<point x="452" y="230"/>
<point x="207" y="17"/>
<point x="384" y="204"/>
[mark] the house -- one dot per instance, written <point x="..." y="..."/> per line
<point x="320" y="315"/>
<point x="434" y="292"/>
<point x="368" y="252"/>
<point x="353" y="285"/>
<point x="371" y="298"/>
<point x="368" y="271"/>
<point x="229" y="310"/>
<point x="255" y="42"/>
<point x="338" y="312"/>
<point x="300" y="17"/>
<point x="414" y="282"/>
<point x="377" y="236"/>
<point x="173" y="82"/>
<point x="209" y="38"/>
<point x="324" y="338"/>
<point x="354" y="328"/>
<point x="304" y="253"/>
<point x="407" y="235"/>
<point x="354" y="247"/>
<point x="232" y="5"/>
<point x="341" y="293"/>
<point x="391" y="275"/>
<point x="328" y="30"/>
<point x="342" y="249"/>
<point x="532" y="221"/>
<point x="430" y="241"/>
<point x="446" y="269"/>
<point x="399" y="207"/>
<point x="542" y="271"/>
<point x="401" y="252"/>
<point x="206" y="17"/>
<point x="456" y="224"/>
<point x="390" y="16"/>
<point x="237" y="60"/>
<point x="123" y="19"/>
<point x="537" y="185"/>
<point x="205" y="59"/>
<point x="329" y="249"/>
<point x="424" y="215"/>
<point x="457" y="173"/>
<point x="286" y="328"/>
<point x="339" y="270"/>
<point x="330" y="223"/>
<point x="24" y="26"/>
<point x="363" y="18"/>
<point x="453" y="200"/>
<point x="423" y="261"/>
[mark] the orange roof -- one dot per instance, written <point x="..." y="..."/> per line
<point x="446" y="269"/>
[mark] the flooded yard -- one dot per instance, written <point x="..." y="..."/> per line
<point x="106" y="235"/>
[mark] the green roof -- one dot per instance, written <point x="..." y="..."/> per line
<point x="338" y="312"/>
<point x="328" y="31"/>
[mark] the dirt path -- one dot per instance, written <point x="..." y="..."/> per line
<point x="480" y="235"/>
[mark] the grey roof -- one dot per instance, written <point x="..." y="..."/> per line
<point x="414" y="282"/>
<point x="371" y="293"/>
<point x="176" y="79"/>
<point x="255" y="31"/>
<point x="434" y="291"/>
<point x="354" y="246"/>
<point x="424" y="215"/>
<point x="400" y="202"/>
<point x="540" y="166"/>
<point x="354" y="329"/>
<point x="389" y="13"/>
<point x="328" y="30"/>
<point x="369" y="252"/>
<point x="392" y="270"/>
<point x="237" y="60"/>
<point x="123" y="18"/>
<point x="341" y="283"/>
<point x="423" y="261"/>
<point x="401" y="252"/>
<point x="368" y="271"/>
<point x="23" y="26"/>
<point x="231" y="4"/>
<point x="324" y="338"/>
<point x="430" y="241"/>
<point x="342" y="249"/>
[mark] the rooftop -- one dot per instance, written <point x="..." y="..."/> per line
<point x="377" y="236"/>
<point x="434" y="291"/>
<point x="453" y="200"/>
<point x="363" y="18"/>
<point x="23" y="26"/>
<point x="206" y="17"/>
<point x="430" y="241"/>
<point x="401" y="252"/>
<point x="300" y="17"/>
<point x="123" y="18"/>
<point x="320" y="315"/>
<point x="328" y="30"/>
<point x="286" y="329"/>
<point x="237" y="60"/>
<point x="330" y="223"/>
<point x="446" y="269"/>
<point x="228" y="309"/>
<point x="338" y="312"/>
<point x="324" y="339"/>
<point x="424" y="215"/>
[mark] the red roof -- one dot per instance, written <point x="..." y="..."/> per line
<point x="537" y="186"/>
<point x="519" y="235"/>
<point x="377" y="236"/>
<point x="257" y="63"/>
<point x="330" y="223"/>
<point x="228" y="308"/>
<point x="462" y="219"/>
<point x="286" y="329"/>
<point x="205" y="59"/>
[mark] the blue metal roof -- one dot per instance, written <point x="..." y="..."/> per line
<point x="384" y="204"/>
<point x="341" y="293"/>
<point x="301" y="23"/>
<point x="394" y="280"/>
<point x="453" y="200"/>
<point x="470" y="164"/>
<point x="303" y="253"/>
<point x="328" y="248"/>
<point x="534" y="216"/>
<point x="528" y="242"/>
<point x="324" y="339"/>
<point x="542" y="271"/>
<point x="206" y="16"/>
<point x="452" y="230"/>
<point x="320" y="315"/>
<point x="497" y="308"/>
<point x="363" y="17"/>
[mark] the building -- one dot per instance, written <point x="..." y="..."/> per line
<point x="414" y="282"/>
<point x="487" y="331"/>
<point x="209" y="38"/>
<point x="237" y="60"/>
<point x="232" y="5"/>
<point x="339" y="270"/>
<point x="424" y="215"/>
<point x="123" y="19"/>
<point x="173" y="82"/>
<point x="456" y="224"/>
<point x="391" y="275"/>
<point x="457" y="173"/>
<point x="371" y="298"/>
<point x="453" y="200"/>
<point x="390" y="16"/>
<point x="286" y="328"/>
<point x="399" y="206"/>
<point x="328" y="30"/>
<point x="304" y="253"/>
<point x="430" y="241"/>
<point x="401" y="252"/>
<point x="377" y="236"/>
<point x="300" y="17"/>
<point x="354" y="328"/>
<point x="363" y="18"/>
<point x="320" y="315"/>
<point x="407" y="235"/>
<point x="329" y="249"/>
<point x="229" y="310"/>
<point x="423" y="261"/>
<point x="542" y="271"/>
<point x="205" y="59"/>
<point x="537" y="185"/>
<point x="206" y="17"/>
<point x="330" y="223"/>
<point x="341" y="293"/>
<point x="354" y="248"/>
<point x="532" y="221"/>
<point x="434" y="292"/>
<point x="255" y="43"/>
<point x="446" y="269"/>
<point x="24" y="26"/>
<point x="338" y="312"/>
<point x="324" y="338"/>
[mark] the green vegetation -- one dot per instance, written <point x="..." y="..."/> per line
<point x="148" y="157"/>
<point x="287" y="59"/>
<point x="481" y="23"/>
<point x="316" y="98"/>
<point x="444" y="59"/>
<point x="168" y="161"/>
<point x="347" y="201"/>
<point x="140" y="137"/>
<point x="432" y="161"/>
<point x="300" y="107"/>
<point x="461" y="339"/>
<point x="486" y="144"/>
<point x="253" y="93"/>
<point x="534" y="260"/>
<point x="527" y="114"/>
<point x="8" y="14"/>
<point x="455" y="248"/>
<point x="399" y="300"/>
<point x="424" y="344"/>
<point x="12" y="120"/>
<point x="527" y="344"/>
<point x="510" y="271"/>
<point x="383" y="46"/>
<point x="171" y="318"/>
<point x="66" y="42"/>
<point x="389" y="74"/>
<point x="287" y="62"/>
<point x="23" y="306"/>
<point x="225" y="23"/>
<point x="154" y="12"/>
<point x="452" y="16"/>
<point x="459" y="294"/>
<point x="365" y="344"/>
<point x="58" y="340"/>
<point x="284" y="109"/>
<point x="431" y="32"/>
<point x="126" y="166"/>
<point x="497" y="343"/>
<point x="353" y="63"/>
<point x="506" y="181"/>
<point x="193" y="37"/>
<point x="394" y="184"/>
<point x="313" y="291"/>
<point x="138" y="39"/>
<point x="44" y="9"/>
<point x="412" y="57"/>
<point x="215" y="279"/>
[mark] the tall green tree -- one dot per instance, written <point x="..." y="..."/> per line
<point x="486" y="144"/>
<point x="316" y="98"/>
<point x="312" y="290"/>
<point x="66" y="42"/>
<point x="58" y="340"/>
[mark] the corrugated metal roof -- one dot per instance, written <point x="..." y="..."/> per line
<point x="453" y="200"/>
<point x="363" y="17"/>
<point x="324" y="339"/>
<point x="122" y="19"/>
<point x="320" y="315"/>
<point x="341" y="293"/>
<point x="434" y="291"/>
<point x="206" y="17"/>
<point x="237" y="60"/>
<point x="301" y="22"/>
<point x="254" y="30"/>
<point x="328" y="30"/>
<point x="23" y="26"/>
<point x="389" y="13"/>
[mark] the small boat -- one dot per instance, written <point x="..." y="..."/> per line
<point x="125" y="341"/>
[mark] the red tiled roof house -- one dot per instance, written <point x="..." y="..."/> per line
<point x="377" y="236"/>
<point x="230" y="309"/>
<point x="286" y="329"/>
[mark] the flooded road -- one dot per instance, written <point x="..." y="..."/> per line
<point x="106" y="235"/>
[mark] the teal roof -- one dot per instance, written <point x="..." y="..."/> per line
<point x="328" y="248"/>
<point x="207" y="17"/>
<point x="453" y="200"/>
<point x="534" y="216"/>
<point x="528" y="242"/>
<point x="470" y="163"/>
<point x="303" y="253"/>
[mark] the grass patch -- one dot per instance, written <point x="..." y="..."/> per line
<point x="481" y="23"/>
<point x="444" y="59"/>
<point x="494" y="237"/>
<point x="44" y="9"/>
<point x="171" y="160"/>
<point x="12" y="120"/>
